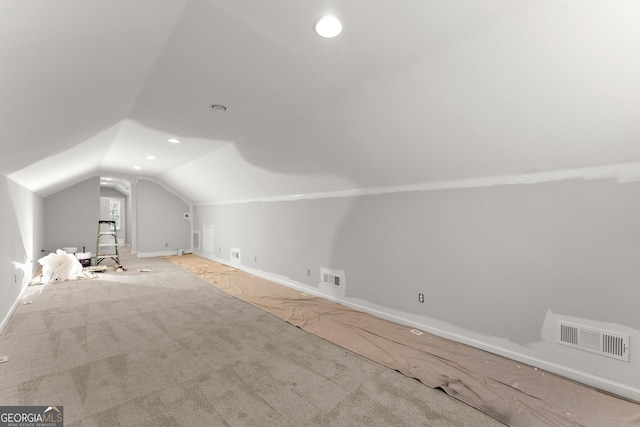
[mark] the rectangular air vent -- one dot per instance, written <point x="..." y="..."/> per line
<point x="196" y="240"/>
<point x="605" y="343"/>
<point x="236" y="256"/>
<point x="332" y="277"/>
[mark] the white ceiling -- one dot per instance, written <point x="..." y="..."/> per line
<point x="412" y="91"/>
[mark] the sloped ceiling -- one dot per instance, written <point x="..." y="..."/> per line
<point x="412" y="91"/>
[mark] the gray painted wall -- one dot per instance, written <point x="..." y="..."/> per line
<point x="21" y="239"/>
<point x="111" y="192"/>
<point x="492" y="262"/>
<point x="160" y="223"/>
<point x="71" y="216"/>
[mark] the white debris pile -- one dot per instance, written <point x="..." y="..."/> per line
<point x="60" y="266"/>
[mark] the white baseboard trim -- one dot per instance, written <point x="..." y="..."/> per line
<point x="13" y="308"/>
<point x="595" y="381"/>
<point x="155" y="254"/>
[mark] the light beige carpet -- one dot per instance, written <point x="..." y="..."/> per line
<point x="165" y="348"/>
<point x="39" y="279"/>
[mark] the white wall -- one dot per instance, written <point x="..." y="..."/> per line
<point x="160" y="224"/>
<point x="21" y="240"/>
<point x="71" y="216"/>
<point x="496" y="265"/>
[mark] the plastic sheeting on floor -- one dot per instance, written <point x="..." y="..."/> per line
<point x="511" y="392"/>
<point x="60" y="266"/>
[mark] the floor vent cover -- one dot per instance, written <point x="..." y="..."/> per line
<point x="594" y="340"/>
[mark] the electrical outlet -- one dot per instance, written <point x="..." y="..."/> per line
<point x="15" y="278"/>
<point x="255" y="259"/>
<point x="417" y="332"/>
<point x="308" y="272"/>
<point x="4" y="359"/>
<point x="219" y="250"/>
<point x="27" y="302"/>
<point x="420" y="297"/>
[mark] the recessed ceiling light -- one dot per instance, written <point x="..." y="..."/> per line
<point x="137" y="167"/>
<point x="174" y="141"/>
<point x="151" y="157"/>
<point x="328" y="26"/>
<point x="218" y="108"/>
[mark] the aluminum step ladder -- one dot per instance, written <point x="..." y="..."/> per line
<point x="107" y="242"/>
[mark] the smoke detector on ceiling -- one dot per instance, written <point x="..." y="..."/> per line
<point x="218" y="108"/>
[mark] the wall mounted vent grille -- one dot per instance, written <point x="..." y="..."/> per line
<point x="332" y="277"/>
<point x="196" y="240"/>
<point x="605" y="343"/>
<point x="236" y="256"/>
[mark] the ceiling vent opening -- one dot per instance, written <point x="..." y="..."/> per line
<point x="593" y="340"/>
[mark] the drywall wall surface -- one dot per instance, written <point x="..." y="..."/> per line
<point x="494" y="260"/>
<point x="71" y="216"/>
<point x="286" y="238"/>
<point x="490" y="261"/>
<point x="161" y="226"/>
<point x="21" y="239"/>
<point x="111" y="192"/>
<point x="131" y="221"/>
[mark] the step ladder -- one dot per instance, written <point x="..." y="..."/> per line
<point x="107" y="242"/>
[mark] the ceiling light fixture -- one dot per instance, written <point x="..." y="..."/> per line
<point x="137" y="167"/>
<point x="151" y="157"/>
<point x="174" y="140"/>
<point x="108" y="179"/>
<point x="327" y="27"/>
<point x="218" y="108"/>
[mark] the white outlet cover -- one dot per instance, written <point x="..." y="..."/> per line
<point x="4" y="359"/>
<point x="417" y="332"/>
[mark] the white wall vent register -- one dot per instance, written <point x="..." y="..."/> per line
<point x="235" y="256"/>
<point x="196" y="240"/>
<point x="605" y="343"/>
<point x="332" y="277"/>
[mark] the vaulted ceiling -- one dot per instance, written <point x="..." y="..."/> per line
<point x="412" y="91"/>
